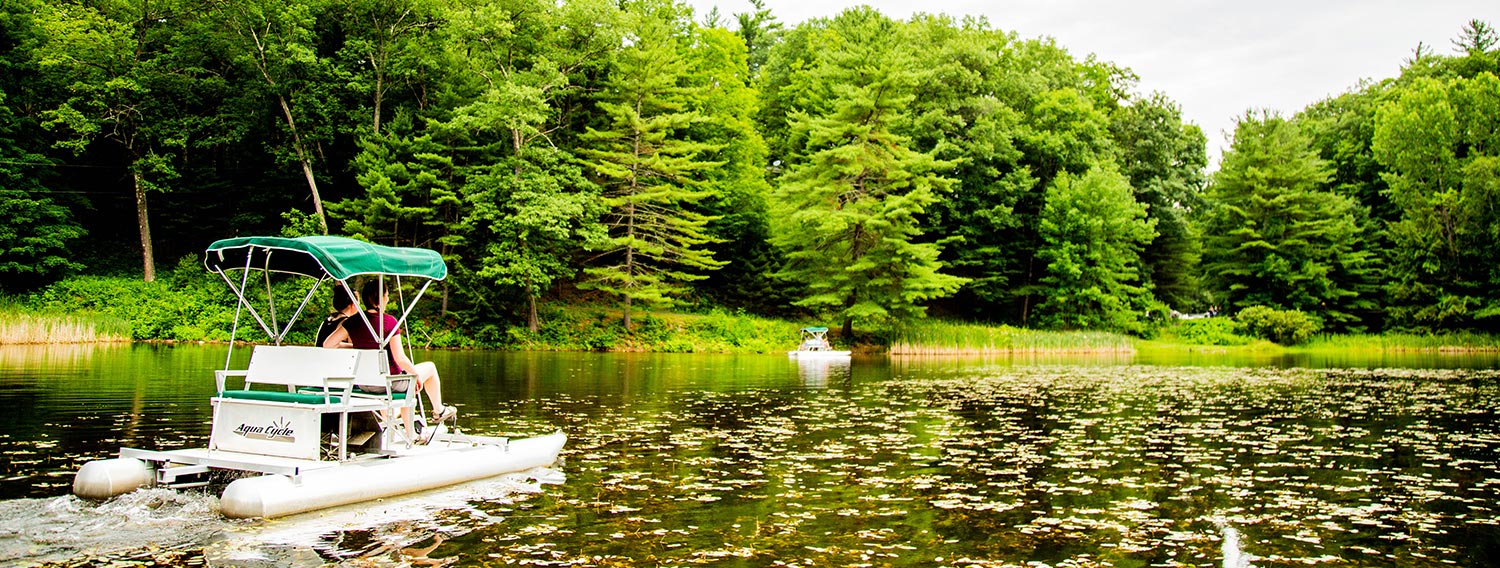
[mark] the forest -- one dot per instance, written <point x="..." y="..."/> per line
<point x="633" y="154"/>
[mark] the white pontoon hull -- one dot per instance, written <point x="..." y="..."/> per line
<point x="279" y="495"/>
<point x="449" y="460"/>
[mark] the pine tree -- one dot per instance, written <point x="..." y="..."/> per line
<point x="1275" y="237"/>
<point x="648" y="173"/>
<point x="847" y="214"/>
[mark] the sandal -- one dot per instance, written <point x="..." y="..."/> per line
<point x="449" y="412"/>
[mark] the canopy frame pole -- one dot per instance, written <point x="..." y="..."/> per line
<point x="239" y="293"/>
<point x="408" y="309"/>
<point x="270" y="299"/>
<point x="305" y="300"/>
<point x="234" y="329"/>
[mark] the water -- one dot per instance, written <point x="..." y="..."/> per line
<point x="676" y="460"/>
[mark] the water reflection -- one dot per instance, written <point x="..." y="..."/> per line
<point x="1067" y="461"/>
<point x="37" y="357"/>
<point x="818" y="372"/>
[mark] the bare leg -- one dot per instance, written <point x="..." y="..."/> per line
<point x="427" y="375"/>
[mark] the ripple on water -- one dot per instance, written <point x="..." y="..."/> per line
<point x="60" y="528"/>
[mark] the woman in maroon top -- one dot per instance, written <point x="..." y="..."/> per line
<point x="358" y="335"/>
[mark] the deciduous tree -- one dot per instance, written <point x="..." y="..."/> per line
<point x="1093" y="232"/>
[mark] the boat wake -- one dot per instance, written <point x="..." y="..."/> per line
<point x="151" y="524"/>
<point x="37" y="531"/>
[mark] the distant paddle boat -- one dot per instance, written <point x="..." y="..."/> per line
<point x="815" y="345"/>
<point x="305" y="427"/>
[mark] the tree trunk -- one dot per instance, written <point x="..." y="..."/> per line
<point x="531" y="319"/>
<point x="307" y="171"/>
<point x="1026" y="299"/>
<point x="627" y="313"/>
<point x="379" y="98"/>
<point x="144" y="222"/>
<point x="846" y="333"/>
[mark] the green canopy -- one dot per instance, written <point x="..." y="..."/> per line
<point x="338" y="257"/>
<point x="815" y="329"/>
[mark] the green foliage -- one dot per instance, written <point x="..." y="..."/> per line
<point x="36" y="232"/>
<point x="300" y="224"/>
<point x="1273" y="237"/>
<point x="1093" y="231"/>
<point x="1437" y="140"/>
<point x="1286" y="327"/>
<point x="188" y="305"/>
<point x="847" y="210"/>
<point x="649" y="172"/>
<point x="737" y="190"/>
<point x="1208" y="331"/>
<point x="1164" y="160"/>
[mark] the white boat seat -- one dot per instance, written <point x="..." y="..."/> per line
<point x="304" y="383"/>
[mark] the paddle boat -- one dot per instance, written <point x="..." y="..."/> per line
<point x="815" y="346"/>
<point x="303" y="428"/>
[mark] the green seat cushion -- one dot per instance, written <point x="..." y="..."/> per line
<point x="277" y="396"/>
<point x="397" y="396"/>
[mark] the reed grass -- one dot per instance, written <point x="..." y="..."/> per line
<point x="949" y="338"/>
<point x="1444" y="342"/>
<point x="18" y="326"/>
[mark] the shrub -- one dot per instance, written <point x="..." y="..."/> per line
<point x="1287" y="327"/>
<point x="185" y="304"/>
<point x="1211" y="331"/>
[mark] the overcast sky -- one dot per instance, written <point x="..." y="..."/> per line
<point x="1216" y="59"/>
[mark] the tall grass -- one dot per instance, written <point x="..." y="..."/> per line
<point x="1392" y="341"/>
<point x="594" y="328"/>
<point x="947" y="338"/>
<point x="18" y="326"/>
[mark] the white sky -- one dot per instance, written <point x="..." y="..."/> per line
<point x="1215" y="59"/>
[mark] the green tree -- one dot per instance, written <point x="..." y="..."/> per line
<point x="1438" y="144"/>
<point x="1164" y="161"/>
<point x="647" y="170"/>
<point x="1013" y="115"/>
<point x="1477" y="51"/>
<point x="530" y="211"/>
<point x="957" y="115"/>
<point x="411" y="194"/>
<point x="847" y="213"/>
<point x="387" y="45"/>
<point x="36" y="233"/>
<point x="1274" y="237"/>
<point x="738" y="192"/>
<point x="538" y="220"/>
<point x="128" y="71"/>
<point x="1094" y="231"/>
<point x="1342" y="129"/>
<point x="760" y="31"/>
<point x="276" y="41"/>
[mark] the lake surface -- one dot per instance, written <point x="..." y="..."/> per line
<point x="755" y="460"/>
